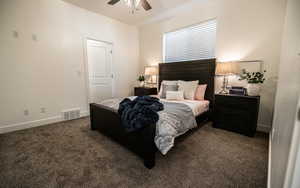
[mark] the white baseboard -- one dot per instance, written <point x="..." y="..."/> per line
<point x="35" y="123"/>
<point x="84" y="114"/>
<point x="263" y="128"/>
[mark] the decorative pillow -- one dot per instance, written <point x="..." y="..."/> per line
<point x="174" y="95"/>
<point x="188" y="88"/>
<point x="166" y="82"/>
<point x="200" y="92"/>
<point x="166" y="88"/>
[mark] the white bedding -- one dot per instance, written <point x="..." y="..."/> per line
<point x="198" y="107"/>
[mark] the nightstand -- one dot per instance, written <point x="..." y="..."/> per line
<point x="236" y="113"/>
<point x="141" y="91"/>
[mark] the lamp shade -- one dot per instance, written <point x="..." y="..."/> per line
<point x="227" y="68"/>
<point x="151" y="70"/>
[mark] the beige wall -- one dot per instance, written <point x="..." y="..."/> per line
<point x="247" y="30"/>
<point x="49" y="72"/>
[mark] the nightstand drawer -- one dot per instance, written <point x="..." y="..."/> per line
<point x="235" y="102"/>
<point x="236" y="113"/>
<point x="141" y="91"/>
<point x="230" y="119"/>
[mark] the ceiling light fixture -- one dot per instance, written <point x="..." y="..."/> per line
<point x="133" y="4"/>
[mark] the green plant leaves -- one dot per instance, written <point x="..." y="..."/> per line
<point x="253" y="77"/>
<point x="141" y="78"/>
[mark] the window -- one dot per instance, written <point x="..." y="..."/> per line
<point x="191" y="43"/>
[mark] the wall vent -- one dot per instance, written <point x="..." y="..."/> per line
<point x="71" y="114"/>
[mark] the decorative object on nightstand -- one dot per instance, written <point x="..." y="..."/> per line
<point x="225" y="69"/>
<point x="236" y="113"/>
<point x="141" y="91"/>
<point x="151" y="72"/>
<point x="254" y="79"/>
<point x="237" y="90"/>
<point x="141" y="79"/>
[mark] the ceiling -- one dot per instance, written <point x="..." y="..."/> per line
<point x="122" y="13"/>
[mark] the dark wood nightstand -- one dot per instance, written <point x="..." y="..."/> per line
<point x="236" y="113"/>
<point x="141" y="91"/>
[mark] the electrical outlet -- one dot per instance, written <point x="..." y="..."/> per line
<point x="78" y="73"/>
<point x="43" y="110"/>
<point x="34" y="37"/>
<point x="15" y="34"/>
<point x="26" y="112"/>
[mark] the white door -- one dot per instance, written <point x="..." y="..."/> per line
<point x="99" y="58"/>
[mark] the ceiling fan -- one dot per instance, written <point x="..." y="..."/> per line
<point x="133" y="4"/>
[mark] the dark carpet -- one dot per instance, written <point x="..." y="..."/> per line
<point x="69" y="154"/>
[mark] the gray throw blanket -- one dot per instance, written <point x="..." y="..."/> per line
<point x="175" y="120"/>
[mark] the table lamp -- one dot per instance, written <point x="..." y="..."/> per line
<point x="225" y="69"/>
<point x="152" y="72"/>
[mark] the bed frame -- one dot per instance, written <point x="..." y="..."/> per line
<point x="108" y="122"/>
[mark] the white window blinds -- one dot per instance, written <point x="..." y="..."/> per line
<point x="191" y="43"/>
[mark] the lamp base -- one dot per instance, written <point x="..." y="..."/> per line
<point x="224" y="86"/>
<point x="223" y="92"/>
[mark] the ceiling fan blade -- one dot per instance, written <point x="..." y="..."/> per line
<point x="146" y="5"/>
<point x="112" y="2"/>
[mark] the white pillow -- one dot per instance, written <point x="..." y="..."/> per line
<point x="166" y="82"/>
<point x="174" y="95"/>
<point x="188" y="88"/>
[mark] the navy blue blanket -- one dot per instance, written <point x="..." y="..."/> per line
<point x="140" y="112"/>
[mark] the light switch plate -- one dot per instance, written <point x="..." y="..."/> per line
<point x="26" y="112"/>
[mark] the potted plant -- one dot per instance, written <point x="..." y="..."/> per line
<point x="141" y="79"/>
<point x="254" y="79"/>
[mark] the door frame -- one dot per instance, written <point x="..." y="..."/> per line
<point x="86" y="68"/>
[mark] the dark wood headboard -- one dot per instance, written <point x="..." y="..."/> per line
<point x="202" y="70"/>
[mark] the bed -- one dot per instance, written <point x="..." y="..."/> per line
<point x="107" y="121"/>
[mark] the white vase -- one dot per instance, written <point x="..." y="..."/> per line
<point x="253" y="89"/>
<point x="142" y="84"/>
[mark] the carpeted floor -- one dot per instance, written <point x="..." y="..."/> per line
<point x="69" y="154"/>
